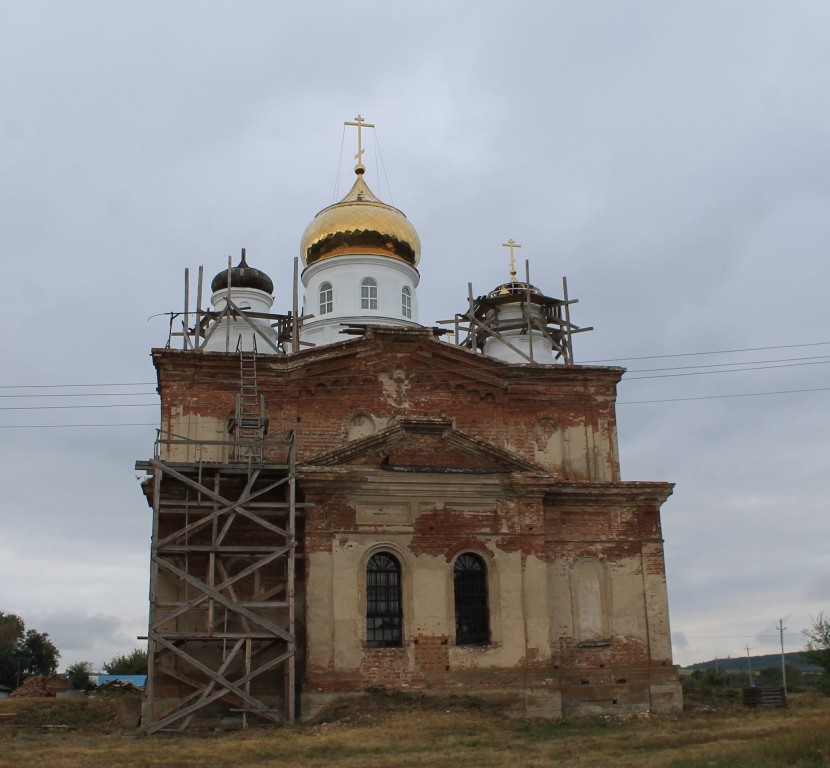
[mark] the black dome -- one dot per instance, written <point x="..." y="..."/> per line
<point x="243" y="276"/>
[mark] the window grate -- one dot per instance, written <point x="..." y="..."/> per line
<point x="384" y="612"/>
<point x="472" y="614"/>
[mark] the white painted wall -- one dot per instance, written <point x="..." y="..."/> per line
<point x="345" y="273"/>
<point x="542" y="347"/>
<point x="240" y="331"/>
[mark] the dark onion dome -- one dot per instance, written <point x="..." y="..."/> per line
<point x="243" y="276"/>
<point x="519" y="290"/>
<point x="360" y="224"/>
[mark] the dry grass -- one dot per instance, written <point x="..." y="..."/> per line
<point x="386" y="732"/>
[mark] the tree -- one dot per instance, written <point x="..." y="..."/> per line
<point x="11" y="629"/>
<point x="24" y="652"/>
<point x="817" y="649"/>
<point x="134" y="663"/>
<point x="79" y="675"/>
<point x="39" y="654"/>
<point x="12" y="632"/>
<point x="772" y="676"/>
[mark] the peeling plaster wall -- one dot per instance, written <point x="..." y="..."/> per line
<point x="561" y="418"/>
<point x="187" y="435"/>
<point x="518" y="464"/>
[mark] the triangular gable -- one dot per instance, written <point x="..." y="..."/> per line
<point x="418" y="345"/>
<point x="424" y="445"/>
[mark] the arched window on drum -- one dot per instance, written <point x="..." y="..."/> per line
<point x="326" y="298"/>
<point x="369" y="293"/>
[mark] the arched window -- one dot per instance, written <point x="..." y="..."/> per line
<point x="406" y="302"/>
<point x="369" y="293"/>
<point x="326" y="298"/>
<point x="472" y="614"/>
<point x="384" y="611"/>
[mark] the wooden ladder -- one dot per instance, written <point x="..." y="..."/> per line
<point x="250" y="410"/>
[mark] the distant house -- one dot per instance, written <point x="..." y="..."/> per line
<point x="4" y="691"/>
<point x="56" y="683"/>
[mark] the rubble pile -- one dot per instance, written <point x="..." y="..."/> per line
<point x="35" y="687"/>
<point x="117" y="686"/>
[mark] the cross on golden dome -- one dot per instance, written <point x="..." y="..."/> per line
<point x="511" y="244"/>
<point x="360" y="123"/>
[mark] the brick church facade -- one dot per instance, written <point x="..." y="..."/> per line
<point x="389" y="509"/>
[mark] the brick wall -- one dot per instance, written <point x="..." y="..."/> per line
<point x="568" y="503"/>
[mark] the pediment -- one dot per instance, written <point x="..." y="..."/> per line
<point x="425" y="445"/>
<point x="415" y="351"/>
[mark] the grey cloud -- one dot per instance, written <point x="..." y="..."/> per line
<point x="672" y="164"/>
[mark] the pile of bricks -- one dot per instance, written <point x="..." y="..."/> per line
<point x="34" y="687"/>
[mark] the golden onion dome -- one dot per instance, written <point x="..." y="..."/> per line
<point x="360" y="224"/>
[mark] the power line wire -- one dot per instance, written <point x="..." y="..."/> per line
<point x="786" y="363"/>
<point x="621" y="402"/>
<point x="733" y="637"/>
<point x="721" y="365"/>
<point x="733" y="370"/>
<point x="719" y="397"/>
<point x="711" y="352"/>
<point x="753" y="366"/>
<point x="84" y="394"/>
<point x="75" y="407"/>
<point x="66" y="426"/>
<point x="67" y="386"/>
<point x="584" y="362"/>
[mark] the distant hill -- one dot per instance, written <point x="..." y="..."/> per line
<point x="738" y="663"/>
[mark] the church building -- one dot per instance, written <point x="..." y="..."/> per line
<point x="345" y="499"/>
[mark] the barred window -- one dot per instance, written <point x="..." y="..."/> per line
<point x="406" y="302"/>
<point x="384" y="612"/>
<point x="472" y="614"/>
<point x="326" y="298"/>
<point x="369" y="293"/>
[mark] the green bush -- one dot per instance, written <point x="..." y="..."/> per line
<point x="134" y="663"/>
<point x="79" y="675"/>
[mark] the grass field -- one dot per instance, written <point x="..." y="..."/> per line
<point x="388" y="732"/>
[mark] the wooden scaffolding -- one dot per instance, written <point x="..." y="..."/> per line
<point x="197" y="328"/>
<point x="222" y="637"/>
<point x="222" y="640"/>
<point x="540" y="314"/>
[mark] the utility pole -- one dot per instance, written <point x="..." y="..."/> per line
<point x="781" y="629"/>
<point x="749" y="666"/>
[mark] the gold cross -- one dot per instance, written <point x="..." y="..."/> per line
<point x="359" y="123"/>
<point x="511" y="244"/>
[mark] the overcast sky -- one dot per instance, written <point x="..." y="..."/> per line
<point x="671" y="158"/>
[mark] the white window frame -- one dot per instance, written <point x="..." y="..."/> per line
<point x="368" y="293"/>
<point x="406" y="302"/>
<point x="326" y="296"/>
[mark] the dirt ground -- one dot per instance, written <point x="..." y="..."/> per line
<point x="394" y="731"/>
